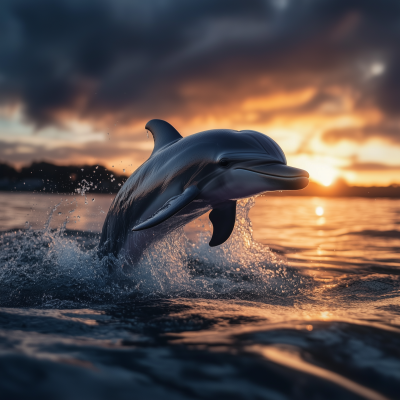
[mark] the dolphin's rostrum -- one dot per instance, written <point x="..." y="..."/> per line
<point x="186" y="177"/>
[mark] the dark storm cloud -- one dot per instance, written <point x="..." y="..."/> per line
<point x="136" y="60"/>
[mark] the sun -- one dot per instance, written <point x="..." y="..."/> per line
<point x="322" y="169"/>
<point x="325" y="175"/>
<point x="327" y="181"/>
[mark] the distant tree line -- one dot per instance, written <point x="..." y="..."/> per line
<point x="50" y="178"/>
<point x="340" y="188"/>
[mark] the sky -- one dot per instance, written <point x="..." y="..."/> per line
<point x="80" y="79"/>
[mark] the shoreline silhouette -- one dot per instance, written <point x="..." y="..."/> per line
<point x="44" y="177"/>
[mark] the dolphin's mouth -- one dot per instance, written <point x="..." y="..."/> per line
<point x="296" y="178"/>
<point x="278" y="170"/>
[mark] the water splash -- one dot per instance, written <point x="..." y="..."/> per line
<point x="240" y="268"/>
<point x="48" y="267"/>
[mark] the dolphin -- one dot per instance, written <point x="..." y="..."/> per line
<point x="187" y="176"/>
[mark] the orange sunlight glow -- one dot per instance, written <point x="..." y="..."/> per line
<point x="319" y="211"/>
<point x="279" y="100"/>
<point x="324" y="174"/>
<point x="327" y="181"/>
<point x="323" y="170"/>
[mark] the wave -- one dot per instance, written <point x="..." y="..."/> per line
<point x="376" y="233"/>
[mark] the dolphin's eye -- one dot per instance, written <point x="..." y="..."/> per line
<point x="223" y="162"/>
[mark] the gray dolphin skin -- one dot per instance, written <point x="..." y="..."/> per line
<point x="186" y="177"/>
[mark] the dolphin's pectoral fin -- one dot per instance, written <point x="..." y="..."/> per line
<point x="170" y="208"/>
<point x="223" y="219"/>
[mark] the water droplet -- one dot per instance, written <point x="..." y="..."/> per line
<point x="97" y="167"/>
<point x="123" y="170"/>
<point x="81" y="169"/>
<point x="113" y="166"/>
<point x="79" y="216"/>
<point x="92" y="199"/>
<point x="60" y="213"/>
<point x="147" y="134"/>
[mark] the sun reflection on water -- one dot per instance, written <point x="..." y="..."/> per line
<point x="319" y="211"/>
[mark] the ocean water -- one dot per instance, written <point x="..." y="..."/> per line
<point x="302" y="302"/>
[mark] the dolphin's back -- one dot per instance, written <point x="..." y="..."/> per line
<point x="115" y="229"/>
<point x="123" y="213"/>
<point x="145" y="188"/>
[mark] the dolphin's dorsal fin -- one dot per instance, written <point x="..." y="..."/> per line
<point x="163" y="133"/>
<point x="223" y="218"/>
